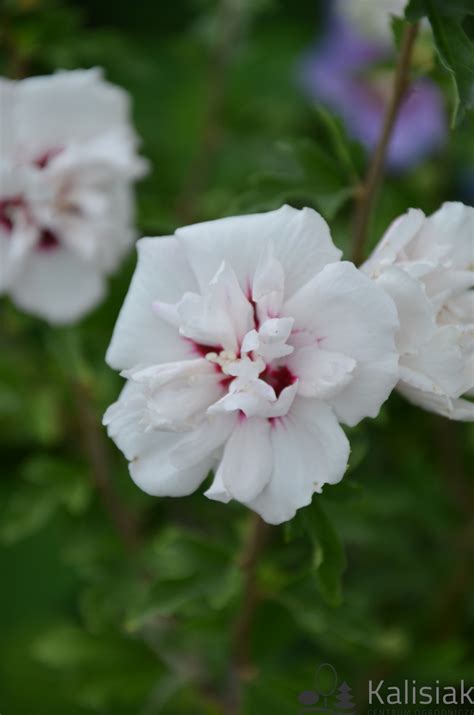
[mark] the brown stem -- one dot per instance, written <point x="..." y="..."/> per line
<point x="368" y="191"/>
<point x="16" y="62"/>
<point x="242" y="666"/>
<point x="96" y="452"/>
<point x="229" y="23"/>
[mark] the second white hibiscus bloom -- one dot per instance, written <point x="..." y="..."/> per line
<point x="245" y="341"/>
<point x="426" y="265"/>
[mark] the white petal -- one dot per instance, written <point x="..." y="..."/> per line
<point x="217" y="490"/>
<point x="54" y="110"/>
<point x="268" y="285"/>
<point x="443" y="285"/>
<point x="442" y="360"/>
<point x="321" y="373"/>
<point x="310" y="450"/>
<point x="58" y="286"/>
<point x="180" y="407"/>
<point x="463" y="410"/>
<point x="203" y="441"/>
<point x="458" y="310"/>
<point x="154" y="473"/>
<point x="415" y="312"/>
<point x="178" y="394"/>
<point x="7" y="117"/>
<point x="270" y="340"/>
<point x="123" y="418"/>
<point x="448" y="234"/>
<point x="421" y="391"/>
<point x="283" y="403"/>
<point x="159" y="375"/>
<point x="149" y="453"/>
<point x="345" y="312"/>
<point x="247" y="461"/>
<point x="300" y="241"/>
<point x="395" y="240"/>
<point x="221" y="316"/>
<point x="140" y="336"/>
<point x="253" y="401"/>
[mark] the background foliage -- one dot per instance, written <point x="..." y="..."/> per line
<point x="92" y="622"/>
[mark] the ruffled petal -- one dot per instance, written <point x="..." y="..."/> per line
<point x="321" y="373"/>
<point x="140" y="336"/>
<point x="221" y="316"/>
<point x="309" y="450"/>
<point x="344" y="312"/>
<point x="397" y="237"/>
<point x="57" y="285"/>
<point x="150" y="453"/>
<point x="243" y="240"/>
<point x="415" y="311"/>
<point x="247" y="461"/>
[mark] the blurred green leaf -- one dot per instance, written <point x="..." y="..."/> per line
<point x="49" y="483"/>
<point x="416" y="9"/>
<point x="329" y="557"/>
<point x="307" y="176"/>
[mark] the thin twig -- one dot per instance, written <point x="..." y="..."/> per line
<point x="368" y="191"/>
<point x="96" y="452"/>
<point x="242" y="666"/>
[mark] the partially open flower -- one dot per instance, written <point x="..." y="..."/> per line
<point x="426" y="265"/>
<point x="244" y="342"/>
<point x="67" y="160"/>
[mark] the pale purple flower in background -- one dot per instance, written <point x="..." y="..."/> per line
<point x="427" y="266"/>
<point x="345" y="72"/>
<point x="67" y="163"/>
<point x="245" y="341"/>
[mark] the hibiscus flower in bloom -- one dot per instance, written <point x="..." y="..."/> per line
<point x="245" y="342"/>
<point x="67" y="159"/>
<point x="427" y="267"/>
<point x="350" y="71"/>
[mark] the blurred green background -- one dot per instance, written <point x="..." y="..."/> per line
<point x="89" y="624"/>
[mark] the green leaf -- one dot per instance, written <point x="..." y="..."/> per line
<point x="307" y="175"/>
<point x="454" y="47"/>
<point x="456" y="52"/>
<point x="96" y="664"/>
<point x="416" y="9"/>
<point x="48" y="484"/>
<point x="329" y="557"/>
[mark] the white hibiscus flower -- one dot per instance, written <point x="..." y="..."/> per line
<point x="426" y="265"/>
<point x="244" y="342"/>
<point x="67" y="159"/>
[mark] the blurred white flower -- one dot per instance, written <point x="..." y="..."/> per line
<point x="245" y="341"/>
<point x="372" y="18"/>
<point x="426" y="265"/>
<point x="67" y="160"/>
